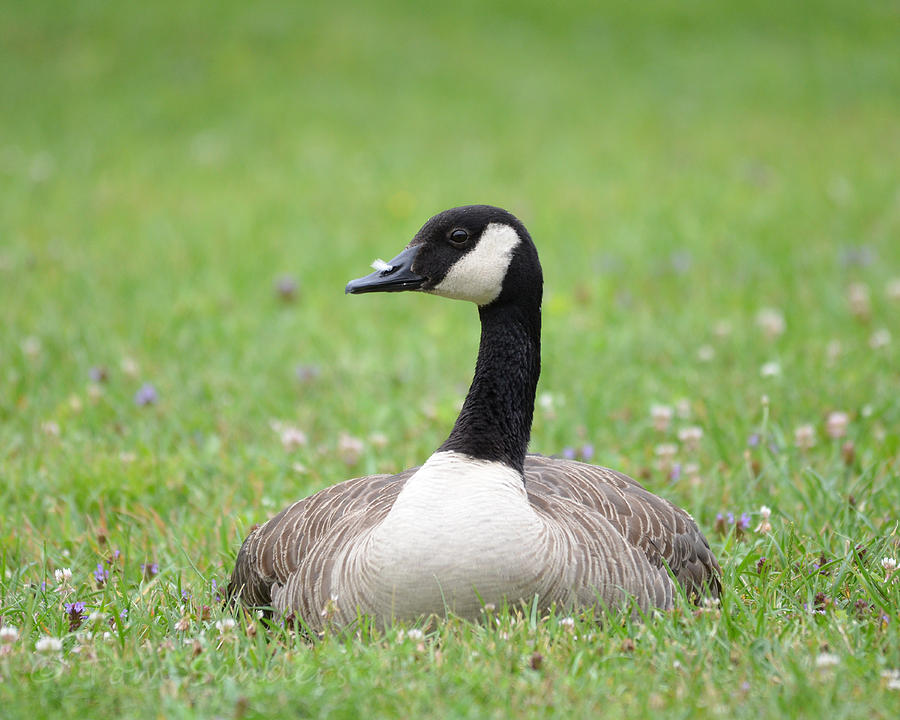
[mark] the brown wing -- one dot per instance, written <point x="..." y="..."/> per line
<point x="662" y="531"/>
<point x="272" y="553"/>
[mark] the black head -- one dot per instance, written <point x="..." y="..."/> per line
<point x="478" y="253"/>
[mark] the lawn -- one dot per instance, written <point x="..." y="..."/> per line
<point x="185" y="188"/>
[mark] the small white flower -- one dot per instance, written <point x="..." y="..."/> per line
<point x="858" y="298"/>
<point x="827" y="660"/>
<point x="46" y="645"/>
<point x="805" y="437"/>
<point x="893" y="679"/>
<point x="349" y="449"/>
<point x="765" y="512"/>
<point x="722" y="328"/>
<point x="567" y="622"/>
<point x="415" y="634"/>
<point x="96" y="616"/>
<point x="770" y="369"/>
<point x="292" y="438"/>
<point x="63" y="576"/>
<point x="890" y="565"/>
<point x="548" y="403"/>
<point x="836" y="424"/>
<point x="130" y="367"/>
<point x="771" y="322"/>
<point x="225" y="625"/>
<point x="666" y="451"/>
<point x="880" y="338"/>
<point x="661" y="416"/>
<point x="183" y="623"/>
<point x="705" y="353"/>
<point x="690" y="437"/>
<point x="31" y="347"/>
<point x="8" y="634"/>
<point x="50" y="428"/>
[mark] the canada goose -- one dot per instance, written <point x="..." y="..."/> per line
<point x="480" y="521"/>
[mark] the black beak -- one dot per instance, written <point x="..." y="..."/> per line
<point x="394" y="279"/>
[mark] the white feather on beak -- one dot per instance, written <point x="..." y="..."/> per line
<point x="381" y="265"/>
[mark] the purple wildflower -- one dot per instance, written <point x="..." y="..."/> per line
<point x="146" y="395"/>
<point x="116" y="554"/>
<point x="307" y="373"/>
<point x="101" y="574"/>
<point x="587" y="452"/>
<point x="98" y="374"/>
<point x="730" y="517"/>
<point x="744" y="522"/>
<point x="286" y="288"/>
<point x="675" y="473"/>
<point x="568" y="453"/>
<point x="214" y="591"/>
<point x="753" y="440"/>
<point x="185" y="596"/>
<point x="149" y="569"/>
<point x="75" y="612"/>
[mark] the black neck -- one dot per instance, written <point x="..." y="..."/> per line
<point x="495" y="421"/>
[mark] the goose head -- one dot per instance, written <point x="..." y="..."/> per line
<point x="478" y="253"/>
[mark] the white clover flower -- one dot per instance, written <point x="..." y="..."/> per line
<point x="350" y="449"/>
<point x="130" y="367"/>
<point x="805" y="437"/>
<point x="666" y="451"/>
<point x="890" y="565"/>
<point x="183" y="623"/>
<point x="567" y="622"/>
<point x="880" y="338"/>
<point x="31" y="347"/>
<point x="836" y="424"/>
<point x="858" y="298"/>
<point x="893" y="679"/>
<point x="63" y="575"/>
<point x="292" y="438"/>
<point x="415" y="634"/>
<point x="827" y="660"/>
<point x="771" y="322"/>
<point x="8" y="634"/>
<point x="225" y="625"/>
<point x="770" y="369"/>
<point x="661" y="416"/>
<point x="690" y="437"/>
<point x="765" y="512"/>
<point x="46" y="645"/>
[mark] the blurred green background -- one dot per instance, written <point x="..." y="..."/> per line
<point x="680" y="165"/>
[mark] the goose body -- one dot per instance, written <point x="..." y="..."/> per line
<point x="480" y="521"/>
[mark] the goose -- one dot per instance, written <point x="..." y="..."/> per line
<point x="480" y="521"/>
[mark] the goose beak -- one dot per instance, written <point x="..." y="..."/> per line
<point x="397" y="276"/>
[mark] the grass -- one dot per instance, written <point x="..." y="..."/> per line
<point x="682" y="167"/>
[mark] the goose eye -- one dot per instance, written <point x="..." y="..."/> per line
<point x="459" y="237"/>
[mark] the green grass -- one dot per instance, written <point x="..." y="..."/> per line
<point x="681" y="166"/>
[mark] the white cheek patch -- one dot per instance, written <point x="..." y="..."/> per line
<point x="478" y="275"/>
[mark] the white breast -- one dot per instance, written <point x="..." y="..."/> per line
<point x="461" y="533"/>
